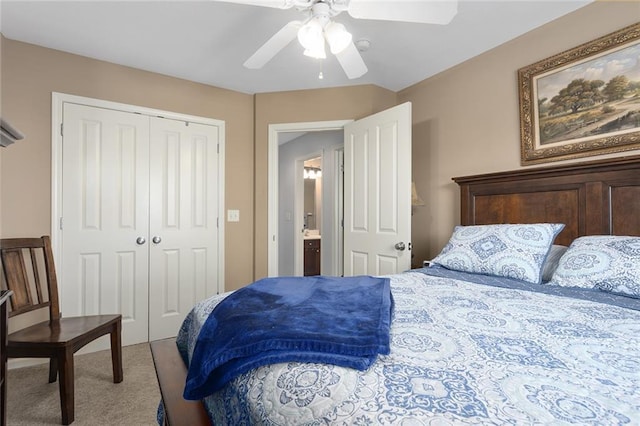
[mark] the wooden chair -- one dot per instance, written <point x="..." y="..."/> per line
<point x="30" y="273"/>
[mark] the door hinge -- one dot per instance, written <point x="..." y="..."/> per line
<point x="61" y="129"/>
<point x="60" y="224"/>
<point x="218" y="148"/>
<point x="217" y="222"/>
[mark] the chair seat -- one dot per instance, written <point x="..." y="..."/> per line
<point x="62" y="332"/>
<point x="29" y="272"/>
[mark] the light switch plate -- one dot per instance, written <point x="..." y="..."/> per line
<point x="233" y="215"/>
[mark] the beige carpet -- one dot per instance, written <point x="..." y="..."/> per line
<point x="98" y="401"/>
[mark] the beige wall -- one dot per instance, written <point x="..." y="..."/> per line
<point x="29" y="75"/>
<point x="465" y="120"/>
<point x="302" y="106"/>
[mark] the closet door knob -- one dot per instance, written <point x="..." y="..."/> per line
<point x="156" y="240"/>
<point x="140" y="241"/>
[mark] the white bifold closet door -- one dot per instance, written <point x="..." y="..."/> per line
<point x="139" y="218"/>
<point x="183" y="222"/>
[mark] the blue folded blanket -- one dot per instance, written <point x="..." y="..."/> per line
<point x="341" y="321"/>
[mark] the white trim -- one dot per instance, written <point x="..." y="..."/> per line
<point x="338" y="231"/>
<point x="298" y="212"/>
<point x="13" y="363"/>
<point x="221" y="206"/>
<point x="57" y="104"/>
<point x="272" y="209"/>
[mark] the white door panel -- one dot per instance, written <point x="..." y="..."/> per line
<point x="140" y="208"/>
<point x="183" y="227"/>
<point x="377" y="195"/>
<point x="105" y="209"/>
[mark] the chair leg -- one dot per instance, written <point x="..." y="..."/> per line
<point x="53" y="369"/>
<point x="116" y="352"/>
<point x="66" y="379"/>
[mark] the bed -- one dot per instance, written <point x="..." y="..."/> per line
<point x="469" y="347"/>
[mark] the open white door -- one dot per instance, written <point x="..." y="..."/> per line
<point x="377" y="193"/>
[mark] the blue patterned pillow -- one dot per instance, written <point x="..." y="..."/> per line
<point x="606" y="262"/>
<point x="515" y="250"/>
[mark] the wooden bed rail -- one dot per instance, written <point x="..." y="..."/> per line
<point x="172" y="374"/>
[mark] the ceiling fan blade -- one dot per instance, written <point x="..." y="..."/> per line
<point x="279" y="4"/>
<point x="419" y="11"/>
<point x="352" y="62"/>
<point x="275" y="44"/>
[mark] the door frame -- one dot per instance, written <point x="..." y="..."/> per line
<point x="273" y="167"/>
<point x="338" y="247"/>
<point x="57" y="104"/>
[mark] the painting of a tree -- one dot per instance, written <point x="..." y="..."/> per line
<point x="579" y="94"/>
<point x="584" y="107"/>
<point x="582" y="101"/>
<point x="573" y="113"/>
<point x="616" y="88"/>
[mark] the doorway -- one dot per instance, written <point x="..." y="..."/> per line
<point x="377" y="186"/>
<point x="312" y="200"/>
<point x="284" y="219"/>
<point x="312" y="208"/>
<point x="310" y="154"/>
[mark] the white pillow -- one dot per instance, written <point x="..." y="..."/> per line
<point x="606" y="262"/>
<point x="508" y="250"/>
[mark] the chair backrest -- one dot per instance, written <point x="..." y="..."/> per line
<point x="28" y="270"/>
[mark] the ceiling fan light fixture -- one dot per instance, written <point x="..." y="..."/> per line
<point x="311" y="35"/>
<point x="337" y="36"/>
<point x="317" y="53"/>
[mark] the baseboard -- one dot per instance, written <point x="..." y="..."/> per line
<point x="25" y="362"/>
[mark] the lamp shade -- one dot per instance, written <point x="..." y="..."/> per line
<point x="337" y="36"/>
<point x="318" y="53"/>
<point x="415" y="198"/>
<point x="310" y="35"/>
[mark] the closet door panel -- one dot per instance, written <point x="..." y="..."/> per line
<point x="105" y="208"/>
<point x="183" y="221"/>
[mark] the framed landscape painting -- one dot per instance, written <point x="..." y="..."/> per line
<point x="582" y="102"/>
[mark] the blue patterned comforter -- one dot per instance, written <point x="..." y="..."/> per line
<point x="461" y="353"/>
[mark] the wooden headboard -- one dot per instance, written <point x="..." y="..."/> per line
<point x="590" y="198"/>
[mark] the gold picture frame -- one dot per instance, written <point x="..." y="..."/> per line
<point x="582" y="102"/>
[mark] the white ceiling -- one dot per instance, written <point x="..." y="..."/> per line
<point x="208" y="41"/>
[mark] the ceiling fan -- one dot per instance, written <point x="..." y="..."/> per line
<point x="318" y="26"/>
